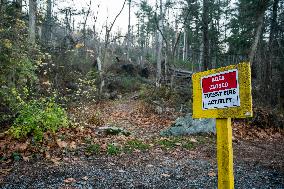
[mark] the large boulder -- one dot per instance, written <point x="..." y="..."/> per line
<point x="187" y="125"/>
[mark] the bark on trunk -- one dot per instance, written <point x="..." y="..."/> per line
<point x="184" y="54"/>
<point x="205" y="22"/>
<point x="160" y="45"/>
<point x="128" y="34"/>
<point x="259" y="25"/>
<point x="47" y="24"/>
<point x="32" y="21"/>
<point x="268" y="76"/>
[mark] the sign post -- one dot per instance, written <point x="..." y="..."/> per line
<point x="225" y="153"/>
<point x="223" y="93"/>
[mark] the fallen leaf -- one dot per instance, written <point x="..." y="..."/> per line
<point x="192" y="140"/>
<point x="211" y="174"/>
<point x="55" y="160"/>
<point x="165" y="175"/>
<point x="61" y="144"/>
<point x="21" y="146"/>
<point x="104" y="147"/>
<point x="47" y="155"/>
<point x="26" y="158"/>
<point x="69" y="180"/>
<point x="5" y="171"/>
<point x="72" y="145"/>
<point x="178" y="144"/>
<point x="137" y="151"/>
<point x="149" y="165"/>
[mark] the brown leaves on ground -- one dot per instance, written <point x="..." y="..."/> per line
<point x="243" y="130"/>
<point x="61" y="144"/>
<point x="132" y="115"/>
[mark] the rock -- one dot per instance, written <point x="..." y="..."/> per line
<point x="187" y="125"/>
<point x="158" y="109"/>
<point x="109" y="130"/>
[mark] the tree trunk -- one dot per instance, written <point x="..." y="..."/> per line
<point x="184" y="55"/>
<point x="19" y="4"/>
<point x="47" y="25"/>
<point x="128" y="33"/>
<point x="205" y="22"/>
<point x="268" y="74"/>
<point x="32" y="21"/>
<point x="160" y="45"/>
<point x="259" y="24"/>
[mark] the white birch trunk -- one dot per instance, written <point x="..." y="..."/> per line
<point x="160" y="45"/>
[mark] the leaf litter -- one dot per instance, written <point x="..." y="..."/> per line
<point x="143" y="124"/>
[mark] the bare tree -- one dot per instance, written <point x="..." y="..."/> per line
<point x="32" y="21"/>
<point x="107" y="41"/>
<point x="129" y="29"/>
<point x="84" y="26"/>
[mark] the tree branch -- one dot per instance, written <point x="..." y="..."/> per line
<point x="109" y="30"/>
<point x="178" y="37"/>
<point x="159" y="29"/>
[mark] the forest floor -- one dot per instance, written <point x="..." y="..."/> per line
<point x="80" y="157"/>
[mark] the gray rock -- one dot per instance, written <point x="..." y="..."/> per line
<point x="111" y="130"/>
<point x="187" y="125"/>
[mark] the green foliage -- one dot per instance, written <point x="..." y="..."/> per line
<point x="130" y="83"/>
<point x="37" y="117"/>
<point x="93" y="149"/>
<point x="165" y="95"/>
<point x="188" y="145"/>
<point x="135" y="145"/>
<point x="18" y="62"/>
<point x="168" y="143"/>
<point x="16" y="156"/>
<point x="183" y="64"/>
<point x="113" y="149"/>
<point x="174" y="142"/>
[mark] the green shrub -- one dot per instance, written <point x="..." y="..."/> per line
<point x="113" y="149"/>
<point x="93" y="149"/>
<point x="129" y="83"/>
<point x="183" y="64"/>
<point x="18" y="62"/>
<point x="135" y="145"/>
<point x="37" y="117"/>
<point x="168" y="143"/>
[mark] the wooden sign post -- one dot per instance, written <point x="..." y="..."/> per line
<point x="223" y="93"/>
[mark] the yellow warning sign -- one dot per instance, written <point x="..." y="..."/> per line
<point x="223" y="93"/>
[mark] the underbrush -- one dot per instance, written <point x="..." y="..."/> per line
<point x="183" y="64"/>
<point x="165" y="96"/>
<point x="37" y="117"/>
<point x="123" y="83"/>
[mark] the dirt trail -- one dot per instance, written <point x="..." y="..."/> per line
<point x="257" y="164"/>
